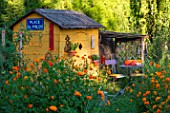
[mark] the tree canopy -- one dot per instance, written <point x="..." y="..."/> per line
<point x="150" y="17"/>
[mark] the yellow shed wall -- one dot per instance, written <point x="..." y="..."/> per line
<point x="41" y="46"/>
<point x="82" y="36"/>
<point x="37" y="45"/>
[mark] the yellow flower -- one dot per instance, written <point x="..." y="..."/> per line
<point x="76" y="93"/>
<point x="151" y="74"/>
<point x="25" y="77"/>
<point x="53" y="108"/>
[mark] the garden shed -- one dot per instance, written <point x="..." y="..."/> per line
<point x="54" y="29"/>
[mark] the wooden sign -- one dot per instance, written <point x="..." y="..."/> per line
<point x="35" y="24"/>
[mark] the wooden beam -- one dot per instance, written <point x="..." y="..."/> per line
<point x="142" y="51"/>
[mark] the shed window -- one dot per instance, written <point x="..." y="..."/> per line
<point x="51" y="37"/>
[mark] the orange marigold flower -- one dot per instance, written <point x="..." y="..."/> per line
<point x="157" y="85"/>
<point x="154" y="106"/>
<point x="25" y="77"/>
<point x="91" y="77"/>
<point x="100" y="93"/>
<point x="89" y="57"/>
<point x="15" y="68"/>
<point x="14" y="79"/>
<point x="18" y="75"/>
<point x="61" y="105"/>
<point x="109" y="72"/>
<point x="55" y="81"/>
<point x="80" y="73"/>
<point x="169" y="97"/>
<point x="164" y="71"/>
<point x="42" y="58"/>
<point x="36" y="60"/>
<point x="103" y="98"/>
<point x="158" y="111"/>
<point x="6" y="82"/>
<point x="150" y="63"/>
<point x="169" y="65"/>
<point x="52" y="97"/>
<point x="155" y="93"/>
<point x="152" y="80"/>
<point x="144" y="94"/>
<point x="133" y="85"/>
<point x="45" y="70"/>
<point x="139" y="93"/>
<point x="157" y="98"/>
<point x="53" y="108"/>
<point x="32" y="65"/>
<point x="76" y="66"/>
<point x="158" y="73"/>
<point x="166" y="86"/>
<point x="130" y="100"/>
<point x="144" y="99"/>
<point x="47" y="109"/>
<point x="50" y="63"/>
<point x="108" y="103"/>
<point x="30" y="105"/>
<point x="25" y="96"/>
<point x="89" y="97"/>
<point x="146" y="103"/>
<point x="76" y="93"/>
<point x="147" y="92"/>
<point x="158" y="66"/>
<point x="167" y="79"/>
<point x="82" y="57"/>
<point x="10" y="72"/>
<point x="98" y="79"/>
<point x="85" y="70"/>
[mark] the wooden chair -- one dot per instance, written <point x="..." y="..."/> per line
<point x="114" y="74"/>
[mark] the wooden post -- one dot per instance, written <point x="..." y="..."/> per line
<point x="3" y="37"/>
<point x="20" y="48"/>
<point x="3" y="44"/>
<point x="142" y="51"/>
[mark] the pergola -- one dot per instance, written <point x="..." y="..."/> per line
<point x="115" y="38"/>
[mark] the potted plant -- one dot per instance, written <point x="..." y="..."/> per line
<point x="95" y="59"/>
<point x="73" y="47"/>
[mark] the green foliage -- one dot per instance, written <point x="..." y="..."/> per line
<point x="54" y="83"/>
<point x="74" y="46"/>
<point x="95" y="57"/>
<point x="8" y="54"/>
<point x="151" y="92"/>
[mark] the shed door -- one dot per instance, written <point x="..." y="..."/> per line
<point x="51" y="37"/>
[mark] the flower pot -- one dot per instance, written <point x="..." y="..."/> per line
<point x="96" y="62"/>
<point x="72" y="52"/>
